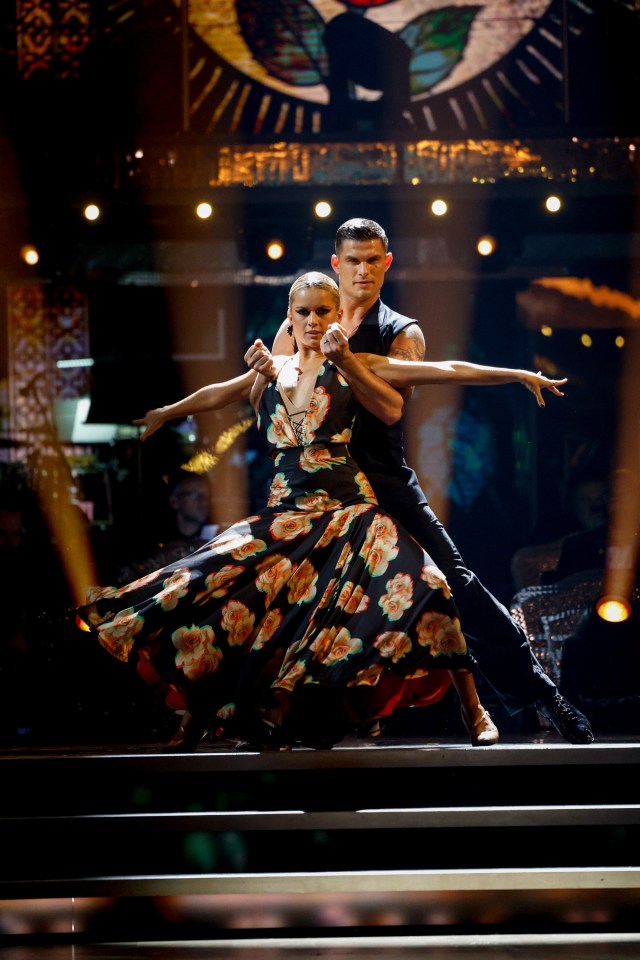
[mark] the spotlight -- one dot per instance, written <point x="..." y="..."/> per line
<point x="486" y="246"/>
<point x="620" y="342"/>
<point x="323" y="209"/>
<point x="275" y="249"/>
<point x="586" y="340"/>
<point x="591" y="675"/>
<point x="29" y="254"/>
<point x="439" y="208"/>
<point x="546" y="330"/>
<point x="553" y="204"/>
<point x="204" y="210"/>
<point x="278" y="250"/>
<point x="613" y="609"/>
<point x="487" y="252"/>
<point x="92" y="212"/>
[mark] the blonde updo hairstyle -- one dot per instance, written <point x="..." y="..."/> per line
<point x="315" y="280"/>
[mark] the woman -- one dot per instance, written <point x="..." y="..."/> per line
<point x="319" y="615"/>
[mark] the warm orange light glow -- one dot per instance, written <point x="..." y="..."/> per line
<point x="486" y="246"/>
<point x="439" y="208"/>
<point x="323" y="209"/>
<point x="204" y="210"/>
<point x="67" y="526"/>
<point x="623" y="541"/>
<point x="275" y="250"/>
<point x="600" y="296"/>
<point x="92" y="212"/>
<point x="613" y="609"/>
<point x="29" y="254"/>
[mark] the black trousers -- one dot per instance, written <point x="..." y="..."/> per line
<point x="499" y="645"/>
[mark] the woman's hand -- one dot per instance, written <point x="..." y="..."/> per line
<point x="536" y="383"/>
<point x="152" y="421"/>
<point x="376" y="396"/>
<point x="259" y="358"/>
<point x="335" y="344"/>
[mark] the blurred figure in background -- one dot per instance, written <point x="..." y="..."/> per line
<point x="190" y="501"/>
<point x="185" y="527"/>
<point x="585" y="512"/>
<point x="595" y="546"/>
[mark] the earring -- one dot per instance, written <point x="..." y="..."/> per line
<point x="290" y="329"/>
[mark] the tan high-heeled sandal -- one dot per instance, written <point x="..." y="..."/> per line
<point x="483" y="732"/>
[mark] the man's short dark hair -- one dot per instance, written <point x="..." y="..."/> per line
<point x="180" y="477"/>
<point x="360" y="229"/>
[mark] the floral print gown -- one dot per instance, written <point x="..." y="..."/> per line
<point x="316" y="616"/>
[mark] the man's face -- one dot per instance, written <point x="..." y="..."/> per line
<point x="361" y="266"/>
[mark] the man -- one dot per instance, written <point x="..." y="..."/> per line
<point x="500" y="646"/>
<point x="190" y="501"/>
<point x="185" y="528"/>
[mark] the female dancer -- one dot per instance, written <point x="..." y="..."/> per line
<point x="320" y="614"/>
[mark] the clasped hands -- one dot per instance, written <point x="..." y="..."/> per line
<point x="334" y="346"/>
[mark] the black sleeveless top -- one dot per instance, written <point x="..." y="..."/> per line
<point x="377" y="448"/>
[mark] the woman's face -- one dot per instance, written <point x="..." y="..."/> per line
<point x="312" y="310"/>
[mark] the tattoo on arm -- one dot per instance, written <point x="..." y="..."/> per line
<point x="408" y="345"/>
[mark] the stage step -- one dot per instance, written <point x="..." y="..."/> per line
<point x="392" y="817"/>
<point x="373" y="819"/>
<point x="331" y="882"/>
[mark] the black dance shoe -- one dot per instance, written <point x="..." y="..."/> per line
<point x="568" y="721"/>
<point x="245" y="746"/>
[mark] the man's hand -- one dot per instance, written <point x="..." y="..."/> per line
<point x="259" y="358"/>
<point x="152" y="421"/>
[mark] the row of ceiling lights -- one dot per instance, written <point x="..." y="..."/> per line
<point x="322" y="208"/>
<point x="275" y="247"/>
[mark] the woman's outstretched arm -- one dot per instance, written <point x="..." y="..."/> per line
<point x="212" y="397"/>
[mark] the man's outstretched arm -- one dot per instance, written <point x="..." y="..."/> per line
<point x="402" y="373"/>
<point x="408" y="345"/>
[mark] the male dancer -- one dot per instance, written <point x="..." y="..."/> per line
<point x="500" y="647"/>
